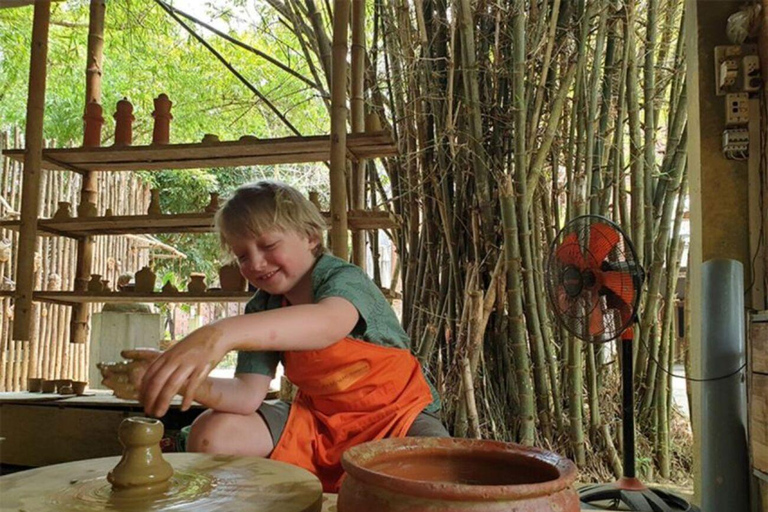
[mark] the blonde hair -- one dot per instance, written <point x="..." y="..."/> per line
<point x="265" y="206"/>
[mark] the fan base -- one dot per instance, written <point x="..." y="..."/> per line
<point x="630" y="494"/>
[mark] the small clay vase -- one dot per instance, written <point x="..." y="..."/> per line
<point x="154" y="202"/>
<point x="108" y="212"/>
<point x="64" y="211"/>
<point x="210" y="138"/>
<point x="162" y="114"/>
<point x="452" y="475"/>
<point x="124" y="123"/>
<point x="79" y="387"/>
<point x="64" y="386"/>
<point x="213" y="204"/>
<point x="231" y="279"/>
<point x="372" y="123"/>
<point x="48" y="386"/>
<point x="196" y="283"/>
<point x="95" y="285"/>
<point x="145" y="280"/>
<point x="34" y="384"/>
<point x="86" y="209"/>
<point x="105" y="285"/>
<point x="169" y="287"/>
<point x="93" y="123"/>
<point x="142" y="469"/>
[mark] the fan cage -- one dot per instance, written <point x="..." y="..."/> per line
<point x="589" y="247"/>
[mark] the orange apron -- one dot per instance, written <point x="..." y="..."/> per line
<point x="349" y="393"/>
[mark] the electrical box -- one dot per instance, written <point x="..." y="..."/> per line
<point x="737" y="109"/>
<point x="752" y="76"/>
<point x="736" y="144"/>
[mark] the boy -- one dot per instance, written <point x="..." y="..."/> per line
<point x="337" y="336"/>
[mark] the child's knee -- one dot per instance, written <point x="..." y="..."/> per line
<point x="206" y="431"/>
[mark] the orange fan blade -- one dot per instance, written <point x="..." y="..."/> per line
<point x="602" y="238"/>
<point x="596" y="321"/>
<point x="569" y="252"/>
<point x="621" y="284"/>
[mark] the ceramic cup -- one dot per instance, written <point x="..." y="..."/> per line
<point x="34" y="385"/>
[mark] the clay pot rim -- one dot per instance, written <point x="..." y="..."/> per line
<point x="353" y="459"/>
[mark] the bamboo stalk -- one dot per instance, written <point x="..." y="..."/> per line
<point x="32" y="166"/>
<point x="357" y="106"/>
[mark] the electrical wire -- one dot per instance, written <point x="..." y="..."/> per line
<point x="685" y="377"/>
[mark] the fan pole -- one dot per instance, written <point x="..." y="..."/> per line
<point x="627" y="404"/>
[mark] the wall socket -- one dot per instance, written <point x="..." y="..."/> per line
<point x="729" y="67"/>
<point x="736" y="109"/>
<point x="752" y="76"/>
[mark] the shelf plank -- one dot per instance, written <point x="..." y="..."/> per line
<point x="314" y="148"/>
<point x="199" y="222"/>
<point x="67" y="297"/>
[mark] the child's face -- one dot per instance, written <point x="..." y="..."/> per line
<point x="274" y="261"/>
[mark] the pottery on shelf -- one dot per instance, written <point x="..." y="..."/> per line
<point x="48" y="386"/>
<point x="124" y="123"/>
<point x="34" y="384"/>
<point x="108" y="212"/>
<point x="145" y="280"/>
<point x="64" y="211"/>
<point x="64" y="386"/>
<point x="169" y="287"/>
<point x="79" y="387"/>
<point x="452" y="475"/>
<point x="210" y="138"/>
<point x="213" y="203"/>
<point x="105" y="285"/>
<point x="86" y="209"/>
<point x="162" y="114"/>
<point x="142" y="469"/>
<point x="93" y="122"/>
<point x="95" y="284"/>
<point x="196" y="283"/>
<point x="372" y="123"/>
<point x="249" y="138"/>
<point x="231" y="279"/>
<point x="154" y="202"/>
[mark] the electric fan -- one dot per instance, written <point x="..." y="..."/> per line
<point x="593" y="284"/>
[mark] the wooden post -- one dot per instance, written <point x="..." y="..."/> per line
<point x="357" y="105"/>
<point x="30" y="192"/>
<point x="78" y="331"/>
<point x="339" y="234"/>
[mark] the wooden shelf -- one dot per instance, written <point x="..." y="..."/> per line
<point x="201" y="222"/>
<point x="316" y="148"/>
<point x="67" y="297"/>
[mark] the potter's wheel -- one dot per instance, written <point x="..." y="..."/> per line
<point x="200" y="483"/>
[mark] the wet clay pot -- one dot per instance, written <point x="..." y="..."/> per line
<point x="451" y="475"/>
<point x="142" y="469"/>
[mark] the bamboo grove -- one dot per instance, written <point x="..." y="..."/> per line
<point x="513" y="117"/>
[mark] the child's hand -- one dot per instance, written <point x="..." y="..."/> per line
<point x="183" y="367"/>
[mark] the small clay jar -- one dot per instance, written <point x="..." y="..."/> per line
<point x="93" y="123"/>
<point x="169" y="287"/>
<point x="86" y="209"/>
<point x="105" y="285"/>
<point x="154" y="202"/>
<point x="108" y="212"/>
<point x="64" y="386"/>
<point x="196" y="283"/>
<point x="95" y="285"/>
<point x="145" y="280"/>
<point x="124" y="123"/>
<point x="79" y="387"/>
<point x="48" y="386"/>
<point x="213" y="204"/>
<point x="162" y="114"/>
<point x="142" y="469"/>
<point x="210" y="138"/>
<point x="372" y="123"/>
<point x="34" y="384"/>
<point x="64" y="211"/>
<point x="231" y="279"/>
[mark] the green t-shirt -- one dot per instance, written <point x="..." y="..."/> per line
<point x="334" y="277"/>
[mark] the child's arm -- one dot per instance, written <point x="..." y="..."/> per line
<point x="301" y="327"/>
<point x="240" y="395"/>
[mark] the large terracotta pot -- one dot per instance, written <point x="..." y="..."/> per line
<point x="427" y="474"/>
